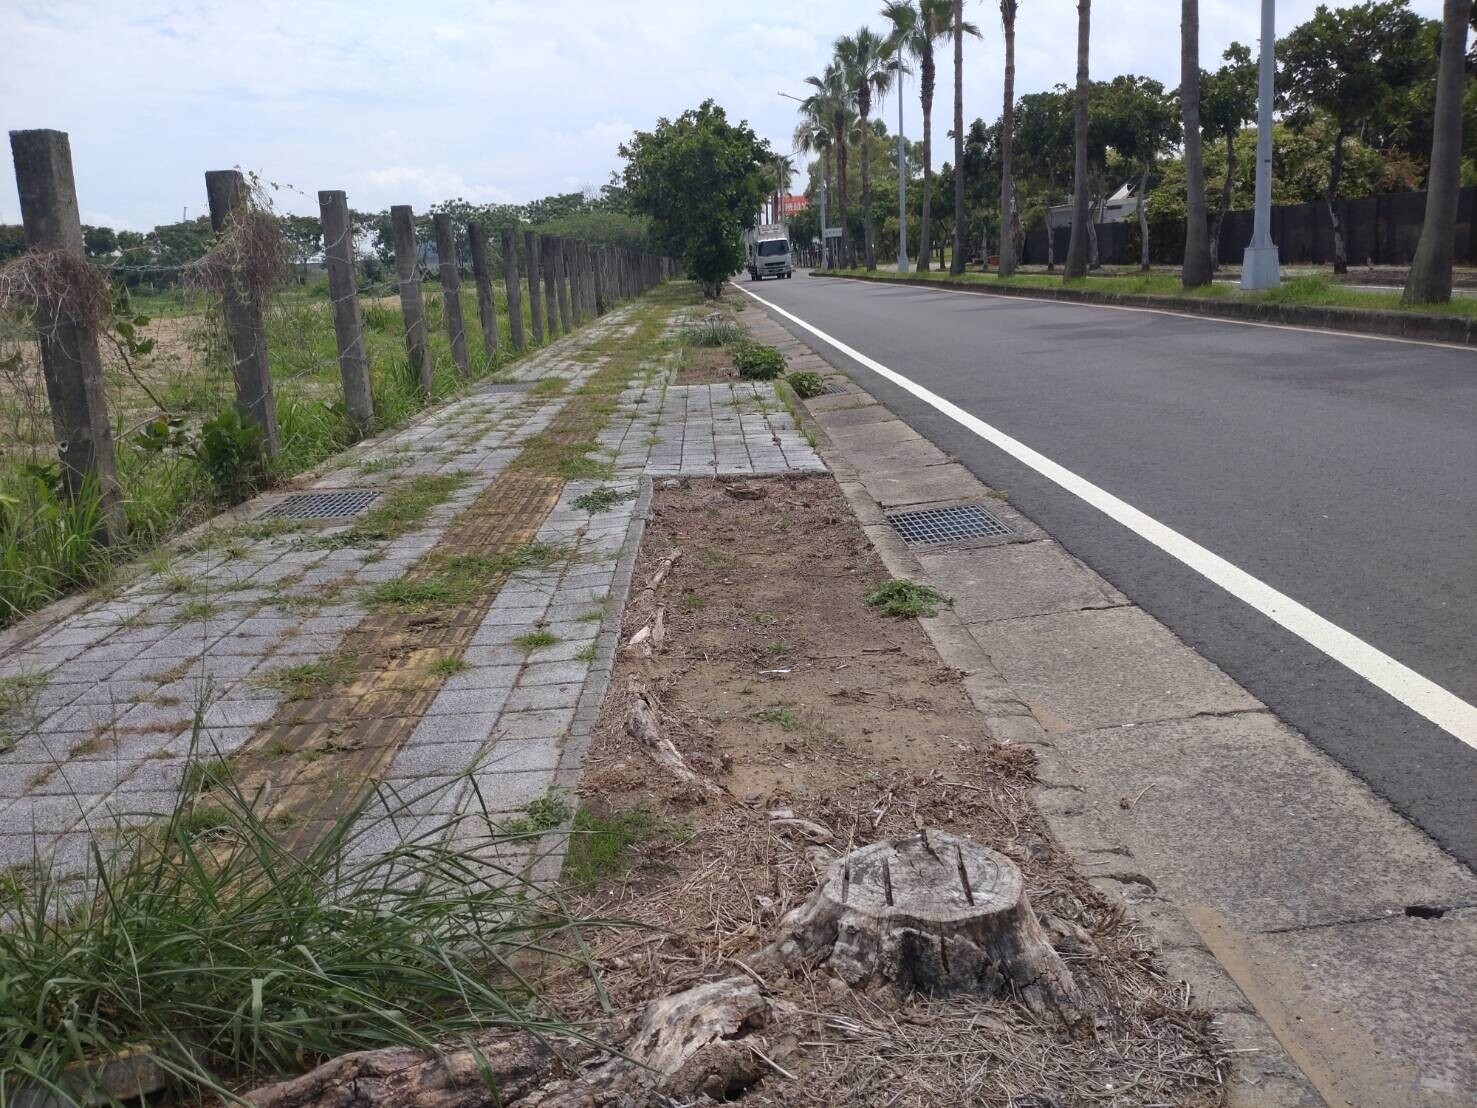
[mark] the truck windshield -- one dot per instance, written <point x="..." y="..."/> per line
<point x="773" y="246"/>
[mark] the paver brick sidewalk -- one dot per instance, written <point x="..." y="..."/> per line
<point x="247" y="603"/>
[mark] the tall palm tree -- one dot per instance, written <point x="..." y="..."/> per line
<point x="956" y="263"/>
<point x="919" y="25"/>
<point x="1077" y="245"/>
<point x="829" y="101"/>
<point x="1430" y="273"/>
<point x="1007" y="144"/>
<point x="1196" y="270"/>
<point x="813" y="136"/>
<point x="866" y="59"/>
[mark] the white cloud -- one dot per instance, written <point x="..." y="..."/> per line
<point x="486" y="99"/>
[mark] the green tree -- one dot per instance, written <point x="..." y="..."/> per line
<point x="1077" y="245"/>
<point x="867" y="61"/>
<point x="920" y="25"/>
<point x="1429" y="281"/>
<point x="304" y="236"/>
<point x="99" y="242"/>
<point x="830" y="101"/>
<point x="12" y="241"/>
<point x="1227" y="103"/>
<point x="1355" y="65"/>
<point x="701" y="180"/>
<point x="1137" y="119"/>
<point x="1043" y="140"/>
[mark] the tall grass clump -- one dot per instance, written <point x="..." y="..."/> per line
<point x="715" y="331"/>
<point x="238" y="960"/>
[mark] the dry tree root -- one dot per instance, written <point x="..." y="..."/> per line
<point x="643" y="725"/>
<point x="693" y="1043"/>
<point x="931" y="912"/>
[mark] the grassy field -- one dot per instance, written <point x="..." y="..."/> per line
<point x="1313" y="291"/>
<point x="46" y="544"/>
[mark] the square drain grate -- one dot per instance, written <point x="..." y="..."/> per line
<point x="931" y="526"/>
<point x="329" y="504"/>
<point x="836" y="388"/>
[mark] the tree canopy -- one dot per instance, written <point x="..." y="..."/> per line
<point x="700" y="179"/>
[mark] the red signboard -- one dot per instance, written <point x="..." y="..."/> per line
<point x="792" y="205"/>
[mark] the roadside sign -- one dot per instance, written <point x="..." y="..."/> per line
<point x="833" y="232"/>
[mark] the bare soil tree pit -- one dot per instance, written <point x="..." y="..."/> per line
<point x="814" y="725"/>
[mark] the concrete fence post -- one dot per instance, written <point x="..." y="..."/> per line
<point x="482" y="274"/>
<point x="244" y="314"/>
<point x="602" y="297"/>
<point x="69" y="358"/>
<point x="412" y="303"/>
<point x="561" y="281"/>
<point x="535" y="302"/>
<point x="587" y="278"/>
<point x="548" y="251"/>
<point x="510" y="287"/>
<point x="343" y="293"/>
<point x="572" y="269"/>
<point x="451" y="291"/>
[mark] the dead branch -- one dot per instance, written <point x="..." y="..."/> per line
<point x="643" y="726"/>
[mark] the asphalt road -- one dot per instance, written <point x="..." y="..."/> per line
<point x="1341" y="471"/>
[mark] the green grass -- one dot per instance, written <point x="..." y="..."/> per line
<point x="598" y="843"/>
<point x="238" y="960"/>
<point x="536" y="640"/>
<point x="397" y="512"/>
<point x="448" y="667"/>
<point x="549" y="386"/>
<point x="17" y="695"/>
<point x="1312" y="290"/>
<point x="777" y="714"/>
<point x="602" y="499"/>
<point x="904" y="598"/>
<point x="543" y="814"/>
<point x="453" y="579"/>
<point x="301" y="681"/>
<point x="712" y="333"/>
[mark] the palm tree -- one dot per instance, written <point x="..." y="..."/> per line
<point x="1007" y="144"/>
<point x="919" y="25"/>
<point x="829" y="102"/>
<point x="869" y="69"/>
<point x="1196" y="270"/>
<point x="956" y="263"/>
<point x="1430" y="273"/>
<point x="813" y="136"/>
<point x="1077" y="245"/>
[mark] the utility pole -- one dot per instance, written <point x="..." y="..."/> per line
<point x="1259" y="266"/>
<point x="902" y="172"/>
<point x="825" y="244"/>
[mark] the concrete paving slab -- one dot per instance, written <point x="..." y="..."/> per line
<point x="1239" y="814"/>
<point x="893" y="488"/>
<point x="1017" y="579"/>
<point x="1106" y="668"/>
<point x="1384" y="1005"/>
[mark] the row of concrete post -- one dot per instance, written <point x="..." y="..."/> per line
<point x="569" y="281"/>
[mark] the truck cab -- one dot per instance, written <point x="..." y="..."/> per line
<point x="769" y="253"/>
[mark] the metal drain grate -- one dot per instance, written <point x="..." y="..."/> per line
<point x="938" y="525"/>
<point x="836" y="388"/>
<point x="330" y="504"/>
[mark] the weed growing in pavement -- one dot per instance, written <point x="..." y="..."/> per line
<point x="905" y="598"/>
<point x="757" y="362"/>
<point x="536" y="640"/>
<point x="807" y="385"/>
<point x="383" y="464"/>
<point x="603" y="499"/>
<point x="586" y="654"/>
<point x="239" y="960"/>
<point x="395" y="513"/>
<point x="549" y="386"/>
<point x="451" y="579"/>
<point x="301" y="681"/>
<point x="543" y="814"/>
<point x="17" y="696"/>
<point x="196" y="611"/>
<point x="448" y="667"/>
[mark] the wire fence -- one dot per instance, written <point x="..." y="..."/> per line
<point x="172" y="389"/>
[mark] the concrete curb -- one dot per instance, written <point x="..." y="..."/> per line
<point x="1455" y="330"/>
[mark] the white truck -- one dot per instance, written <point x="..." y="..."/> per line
<point x="768" y="249"/>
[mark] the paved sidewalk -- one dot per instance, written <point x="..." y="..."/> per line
<point x="105" y="693"/>
<point x="1337" y="942"/>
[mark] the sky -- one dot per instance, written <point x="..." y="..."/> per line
<point x="488" y="100"/>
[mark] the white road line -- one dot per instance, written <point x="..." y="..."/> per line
<point x="1446" y="710"/>
<point x="926" y="286"/>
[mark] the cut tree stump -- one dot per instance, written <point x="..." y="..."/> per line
<point x="932" y="912"/>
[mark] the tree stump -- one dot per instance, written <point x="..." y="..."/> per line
<point x="932" y="912"/>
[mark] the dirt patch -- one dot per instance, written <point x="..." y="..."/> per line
<point x="776" y="681"/>
<point x="706" y="365"/>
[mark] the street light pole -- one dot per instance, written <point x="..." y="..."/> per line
<point x="825" y="246"/>
<point x="1259" y="266"/>
<point x="902" y="173"/>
